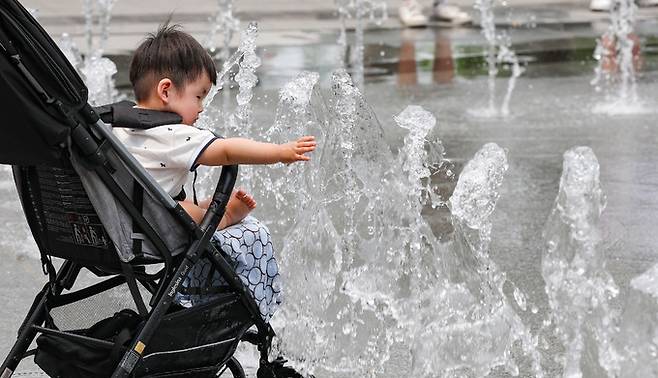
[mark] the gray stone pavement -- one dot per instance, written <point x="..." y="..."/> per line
<point x="285" y="22"/>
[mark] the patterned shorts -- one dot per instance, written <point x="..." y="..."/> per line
<point x="249" y="247"/>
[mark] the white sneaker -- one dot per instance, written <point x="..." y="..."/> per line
<point x="411" y="14"/>
<point x="600" y="5"/>
<point x="452" y="14"/>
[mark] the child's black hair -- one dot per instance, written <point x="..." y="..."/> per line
<point x="169" y="53"/>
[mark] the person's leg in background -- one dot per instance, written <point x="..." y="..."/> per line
<point x="443" y="70"/>
<point x="407" y="71"/>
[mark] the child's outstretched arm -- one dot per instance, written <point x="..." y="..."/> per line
<point x="245" y="151"/>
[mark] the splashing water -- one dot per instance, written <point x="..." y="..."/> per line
<point x="639" y="327"/>
<point x="292" y="113"/>
<point x="482" y="319"/>
<point x="415" y="159"/>
<point x="376" y="280"/>
<point x="70" y="50"/>
<point x="580" y="290"/>
<point x="476" y="193"/>
<point x="419" y="122"/>
<point x="508" y="57"/>
<point x="376" y="12"/>
<point x="318" y="311"/>
<point x="335" y="238"/>
<point x="98" y="73"/>
<point x="246" y="76"/>
<point x="369" y="263"/>
<point x="297" y="93"/>
<point x="96" y="70"/>
<point x="489" y="31"/>
<point x="617" y="53"/>
<point x="286" y="190"/>
<point x="102" y="10"/>
<point x="225" y="22"/>
<point x="219" y="119"/>
<point x="245" y="56"/>
<point x="498" y="52"/>
<point x="334" y="230"/>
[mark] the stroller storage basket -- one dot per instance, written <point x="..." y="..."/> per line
<point x="185" y="340"/>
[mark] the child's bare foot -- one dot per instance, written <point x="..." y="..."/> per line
<point x="238" y="207"/>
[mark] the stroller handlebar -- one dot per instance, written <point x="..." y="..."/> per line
<point x="227" y="180"/>
<point x="220" y="198"/>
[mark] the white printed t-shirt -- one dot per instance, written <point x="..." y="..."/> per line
<point x="169" y="153"/>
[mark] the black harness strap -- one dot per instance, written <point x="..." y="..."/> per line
<point x="196" y="202"/>
<point x="134" y="289"/>
<point x="124" y="114"/>
<point x="138" y="200"/>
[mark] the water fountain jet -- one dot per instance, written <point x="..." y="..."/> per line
<point x="639" y="327"/>
<point x="617" y="53"/>
<point x="225" y="22"/>
<point x="96" y="70"/>
<point x="498" y="51"/>
<point x="580" y="290"/>
<point x="376" y="11"/>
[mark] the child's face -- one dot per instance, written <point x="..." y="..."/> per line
<point x="187" y="102"/>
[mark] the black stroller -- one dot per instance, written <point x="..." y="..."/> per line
<point x="91" y="206"/>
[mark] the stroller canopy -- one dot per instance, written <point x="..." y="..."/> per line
<point x="34" y="134"/>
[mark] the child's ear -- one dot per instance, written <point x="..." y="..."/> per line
<point x="164" y="90"/>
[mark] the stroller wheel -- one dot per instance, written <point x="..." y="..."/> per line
<point x="233" y="365"/>
<point x="277" y="369"/>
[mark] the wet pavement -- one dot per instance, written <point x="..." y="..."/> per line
<point x="443" y="70"/>
<point x="291" y="23"/>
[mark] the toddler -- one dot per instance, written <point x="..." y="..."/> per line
<point x="171" y="71"/>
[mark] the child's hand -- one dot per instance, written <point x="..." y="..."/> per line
<point x="294" y="151"/>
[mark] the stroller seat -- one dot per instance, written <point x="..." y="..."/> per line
<point x="122" y="245"/>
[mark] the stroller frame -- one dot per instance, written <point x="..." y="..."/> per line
<point x="91" y="139"/>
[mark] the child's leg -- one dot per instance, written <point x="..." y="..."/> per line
<point x="249" y="247"/>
